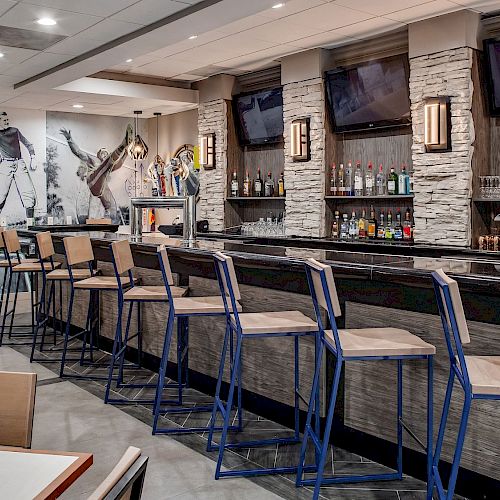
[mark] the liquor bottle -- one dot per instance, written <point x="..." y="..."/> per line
<point x="380" y="181"/>
<point x="353" y="227"/>
<point x="336" y="226"/>
<point x="407" y="225"/>
<point x="348" y="179"/>
<point x="398" y="228"/>
<point x="333" y="180"/>
<point x="403" y="181"/>
<point x="369" y="180"/>
<point x="234" y="185"/>
<point x="247" y="186"/>
<point x="269" y="185"/>
<point x="392" y="182"/>
<point x="410" y="183"/>
<point x="381" y="226"/>
<point x="372" y="224"/>
<point x="281" y="185"/>
<point x="362" y="226"/>
<point x="358" y="180"/>
<point x="344" y="228"/>
<point x="389" y="229"/>
<point x="257" y="184"/>
<point x="341" y="181"/>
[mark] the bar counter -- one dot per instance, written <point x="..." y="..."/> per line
<point x="376" y="288"/>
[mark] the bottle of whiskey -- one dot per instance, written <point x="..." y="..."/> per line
<point x="344" y="228"/>
<point x="235" y="190"/>
<point x="369" y="180"/>
<point x="389" y="230"/>
<point x="281" y="185"/>
<point x="372" y="224"/>
<point x="407" y="229"/>
<point x="353" y="227"/>
<point x="380" y="181"/>
<point x="362" y="226"/>
<point x="381" y="226"/>
<point x="247" y="186"/>
<point x="358" y="180"/>
<point x="341" y="181"/>
<point x="348" y="180"/>
<point x="336" y="226"/>
<point x="257" y="184"/>
<point x="398" y="228"/>
<point x="392" y="182"/>
<point x="269" y="185"/>
<point x="333" y="180"/>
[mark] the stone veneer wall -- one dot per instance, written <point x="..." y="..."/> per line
<point x="212" y="118"/>
<point x="305" y="181"/>
<point x="443" y="181"/>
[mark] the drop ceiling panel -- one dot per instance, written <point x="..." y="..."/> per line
<point x="149" y="11"/>
<point x="5" y="5"/>
<point x="75" y="45"/>
<point x="109" y="29"/>
<point x="292" y="7"/>
<point x="244" y="24"/>
<point x="167" y="67"/>
<point x="380" y="7"/>
<point x="36" y="64"/>
<point x="429" y="9"/>
<point x="68" y="23"/>
<point x="368" y="28"/>
<point x="480" y="5"/>
<point x="13" y="55"/>
<point x="102" y="8"/>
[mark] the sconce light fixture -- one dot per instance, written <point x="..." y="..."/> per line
<point x="299" y="140"/>
<point x="207" y="151"/>
<point x="437" y="124"/>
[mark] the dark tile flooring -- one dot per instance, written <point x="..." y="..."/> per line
<point x="341" y="461"/>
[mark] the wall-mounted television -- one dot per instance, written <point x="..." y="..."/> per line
<point x="370" y="95"/>
<point x="259" y="117"/>
<point x="492" y="70"/>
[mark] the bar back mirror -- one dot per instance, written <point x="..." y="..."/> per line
<point x="299" y="140"/>
<point x="437" y="124"/>
<point x="207" y="151"/>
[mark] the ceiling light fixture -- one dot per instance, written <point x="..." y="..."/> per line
<point x="278" y="5"/>
<point x="193" y="37"/>
<point x="78" y="106"/>
<point x="46" y="21"/>
<point x="129" y="60"/>
<point x="1" y="54"/>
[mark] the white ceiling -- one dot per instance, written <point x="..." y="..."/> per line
<point x="234" y="36"/>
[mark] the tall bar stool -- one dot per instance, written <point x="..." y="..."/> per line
<point x="181" y="309"/>
<point x="253" y="326"/>
<point x="367" y="344"/>
<point x="51" y="277"/>
<point x="123" y="262"/>
<point x="16" y="267"/>
<point x="479" y="376"/>
<point x="78" y="250"/>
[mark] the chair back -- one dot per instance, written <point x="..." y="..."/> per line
<point x="98" y="221"/>
<point x="78" y="249"/>
<point x="11" y="241"/>
<point x="122" y="255"/>
<point x="17" y="394"/>
<point x="228" y="284"/>
<point x="45" y="245"/>
<point x="324" y="295"/>
<point x="166" y="270"/>
<point x="453" y="319"/>
<point x="125" y="480"/>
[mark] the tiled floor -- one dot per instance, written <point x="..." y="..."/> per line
<point x="70" y="415"/>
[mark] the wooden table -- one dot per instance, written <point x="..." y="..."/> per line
<point x="35" y="474"/>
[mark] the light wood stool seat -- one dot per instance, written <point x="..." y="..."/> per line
<point x="34" y="267"/>
<point x="200" y="305"/>
<point x="276" y="322"/>
<point x="5" y="262"/>
<point x="155" y="293"/>
<point x="484" y="374"/>
<point x="380" y="342"/>
<point x="103" y="283"/>
<point x="63" y="274"/>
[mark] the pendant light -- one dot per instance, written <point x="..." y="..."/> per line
<point x="138" y="149"/>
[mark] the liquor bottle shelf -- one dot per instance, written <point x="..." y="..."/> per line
<point x="385" y="197"/>
<point x="255" y="198"/>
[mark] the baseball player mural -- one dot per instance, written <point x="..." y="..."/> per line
<point x="14" y="169"/>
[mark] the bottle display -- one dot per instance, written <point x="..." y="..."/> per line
<point x="392" y="182"/>
<point x="333" y="180"/>
<point x="407" y="226"/>
<point x="380" y="181"/>
<point x="372" y="224"/>
<point x="247" y="186"/>
<point x="257" y="184"/>
<point x="344" y="228"/>
<point x="362" y="226"/>
<point x="389" y="228"/>
<point x="235" y="190"/>
<point x="269" y="185"/>
<point x="341" y="181"/>
<point x="381" y="226"/>
<point x="281" y="185"/>
<point x="353" y="227"/>
<point x="369" y="181"/>
<point x="336" y="226"/>
<point x="358" y="180"/>
<point x="398" y="228"/>
<point x="403" y="181"/>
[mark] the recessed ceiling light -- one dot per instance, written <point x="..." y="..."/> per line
<point x="46" y="21"/>
<point x="129" y="60"/>
<point x="78" y="106"/>
<point x="1" y="54"/>
<point x="278" y="5"/>
<point x="193" y="37"/>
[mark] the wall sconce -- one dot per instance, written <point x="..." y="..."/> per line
<point x="207" y="151"/>
<point x="299" y="140"/>
<point x="437" y="124"/>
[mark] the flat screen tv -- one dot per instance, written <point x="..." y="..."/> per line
<point x="259" y="117"/>
<point x="370" y="95"/>
<point x="492" y="67"/>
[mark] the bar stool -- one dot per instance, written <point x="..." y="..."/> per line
<point x="181" y="309"/>
<point x="479" y="376"/>
<point x="368" y="344"/>
<point x="253" y="326"/>
<point x="123" y="262"/>
<point x="46" y="253"/>
<point x="12" y="245"/>
<point x="78" y="250"/>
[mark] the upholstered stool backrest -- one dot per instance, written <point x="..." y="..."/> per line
<point x="45" y="245"/>
<point x="458" y="308"/>
<point x="122" y="254"/>
<point x="163" y="256"/>
<point x="78" y="249"/>
<point x="232" y="275"/>
<point x="317" y="269"/>
<point x="11" y="240"/>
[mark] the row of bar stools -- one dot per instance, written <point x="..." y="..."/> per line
<point x="123" y="263"/>
<point x="252" y="326"/>
<point x="16" y="268"/>
<point x="366" y="344"/>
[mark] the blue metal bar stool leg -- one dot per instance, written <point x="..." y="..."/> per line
<point x="67" y="332"/>
<point x="123" y="341"/>
<point x="117" y="343"/>
<point x="400" y="420"/>
<point x="12" y="312"/>
<point x="430" y="423"/>
<point x="41" y="317"/>
<point x="6" y="305"/>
